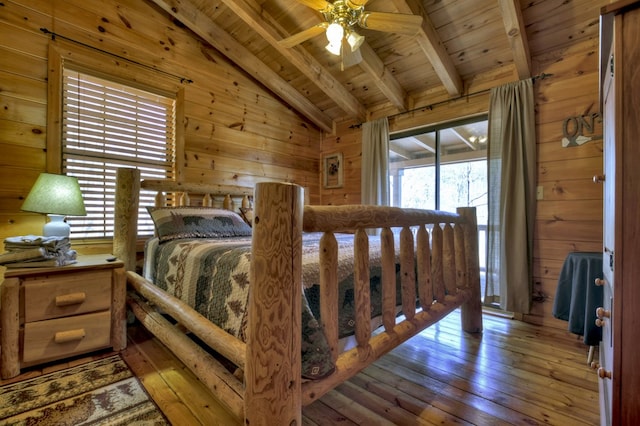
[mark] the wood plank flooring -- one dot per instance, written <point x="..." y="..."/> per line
<point x="514" y="373"/>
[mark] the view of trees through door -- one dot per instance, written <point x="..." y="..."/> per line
<point x="442" y="168"/>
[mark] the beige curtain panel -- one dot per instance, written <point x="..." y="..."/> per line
<point x="375" y="162"/>
<point x="512" y="201"/>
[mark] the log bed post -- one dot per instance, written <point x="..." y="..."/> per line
<point x="273" y="362"/>
<point x="471" y="310"/>
<point x="126" y="216"/>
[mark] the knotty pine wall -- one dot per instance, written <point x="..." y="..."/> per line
<point x="236" y="131"/>
<point x="569" y="217"/>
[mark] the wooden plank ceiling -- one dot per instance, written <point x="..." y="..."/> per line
<point x="458" y="39"/>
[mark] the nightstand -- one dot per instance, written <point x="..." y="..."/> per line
<point x="56" y="312"/>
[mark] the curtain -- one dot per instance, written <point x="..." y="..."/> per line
<point x="375" y="162"/>
<point x="512" y="201"/>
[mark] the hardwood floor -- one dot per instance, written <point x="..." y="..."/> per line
<point x="513" y="373"/>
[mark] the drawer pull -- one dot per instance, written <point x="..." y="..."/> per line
<point x="71" y="299"/>
<point x="604" y="374"/>
<point x="599" y="282"/>
<point x="602" y="313"/>
<point x="69" y="335"/>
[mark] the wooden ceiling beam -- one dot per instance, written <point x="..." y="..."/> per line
<point x="386" y="82"/>
<point x="433" y="48"/>
<point x="514" y="26"/>
<point x="463" y="139"/>
<point x="204" y="27"/>
<point x="424" y="142"/>
<point x="399" y="151"/>
<point x="252" y="14"/>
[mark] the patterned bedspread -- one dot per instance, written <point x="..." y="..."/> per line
<point x="212" y="276"/>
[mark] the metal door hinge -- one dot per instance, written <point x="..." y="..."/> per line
<point x="610" y="253"/>
<point x="611" y="65"/>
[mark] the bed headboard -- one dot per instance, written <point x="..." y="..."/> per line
<point x="128" y="187"/>
<point x="185" y="192"/>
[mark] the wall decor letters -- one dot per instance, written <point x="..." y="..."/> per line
<point x="574" y="129"/>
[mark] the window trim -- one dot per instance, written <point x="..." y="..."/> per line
<point x="88" y="60"/>
<point x="103" y="65"/>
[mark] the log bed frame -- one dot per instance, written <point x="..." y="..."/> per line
<point x="267" y="387"/>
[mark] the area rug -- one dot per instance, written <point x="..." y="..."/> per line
<point x="102" y="392"/>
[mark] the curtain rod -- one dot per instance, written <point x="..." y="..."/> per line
<point x="54" y="35"/>
<point x="431" y="106"/>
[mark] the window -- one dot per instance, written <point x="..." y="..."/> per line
<point x="105" y="126"/>
<point x="442" y="168"/>
<point x="109" y="120"/>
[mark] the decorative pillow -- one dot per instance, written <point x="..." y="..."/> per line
<point x="197" y="222"/>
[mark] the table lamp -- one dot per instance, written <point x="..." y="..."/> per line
<point x="56" y="196"/>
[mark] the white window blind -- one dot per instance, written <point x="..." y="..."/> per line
<point x="108" y="125"/>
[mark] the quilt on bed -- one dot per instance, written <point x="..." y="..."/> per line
<point x="212" y="276"/>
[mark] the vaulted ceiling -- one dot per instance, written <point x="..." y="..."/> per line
<point x="458" y="40"/>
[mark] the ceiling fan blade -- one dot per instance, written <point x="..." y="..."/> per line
<point x="305" y="35"/>
<point x="356" y="4"/>
<point x="400" y="23"/>
<point x="321" y="5"/>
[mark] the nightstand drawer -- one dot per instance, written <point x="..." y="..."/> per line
<point x="66" y="294"/>
<point x="62" y="337"/>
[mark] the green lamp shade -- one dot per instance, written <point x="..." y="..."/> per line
<point x="55" y="194"/>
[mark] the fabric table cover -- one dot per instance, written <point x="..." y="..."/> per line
<point x="577" y="296"/>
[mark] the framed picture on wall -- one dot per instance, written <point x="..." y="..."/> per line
<point x="332" y="170"/>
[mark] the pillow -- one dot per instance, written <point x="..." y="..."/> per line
<point x="197" y="222"/>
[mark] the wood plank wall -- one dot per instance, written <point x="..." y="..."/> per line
<point x="569" y="217"/>
<point x="236" y="131"/>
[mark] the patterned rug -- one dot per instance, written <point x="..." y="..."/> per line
<point x="102" y="392"/>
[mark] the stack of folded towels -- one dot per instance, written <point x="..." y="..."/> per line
<point x="32" y="251"/>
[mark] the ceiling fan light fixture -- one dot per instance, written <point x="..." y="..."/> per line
<point x="355" y="40"/>
<point x="340" y="18"/>
<point x="335" y="33"/>
<point x="333" y="48"/>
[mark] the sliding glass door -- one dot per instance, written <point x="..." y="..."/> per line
<point x="442" y="167"/>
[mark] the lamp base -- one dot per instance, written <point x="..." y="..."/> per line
<point x="56" y="227"/>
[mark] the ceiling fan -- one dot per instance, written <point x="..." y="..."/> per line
<point x="341" y="17"/>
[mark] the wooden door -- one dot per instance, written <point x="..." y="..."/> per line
<point x="626" y="319"/>
<point x="619" y="365"/>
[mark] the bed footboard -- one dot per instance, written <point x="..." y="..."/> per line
<point x="437" y="250"/>
<point x="445" y="265"/>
